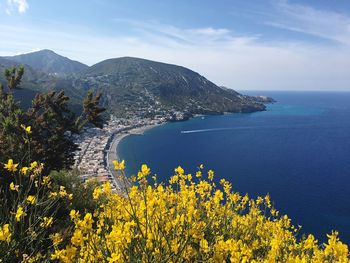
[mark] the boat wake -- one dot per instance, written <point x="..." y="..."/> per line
<point x="295" y="126"/>
<point x="223" y="129"/>
<point x="208" y="130"/>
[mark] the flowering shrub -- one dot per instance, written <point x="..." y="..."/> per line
<point x="28" y="206"/>
<point x="189" y="220"/>
<point x="28" y="209"/>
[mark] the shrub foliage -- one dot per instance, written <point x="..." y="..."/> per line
<point x="56" y="217"/>
<point x="51" y="120"/>
<point x="189" y="220"/>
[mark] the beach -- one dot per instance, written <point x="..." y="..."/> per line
<point x="97" y="148"/>
<point x="112" y="152"/>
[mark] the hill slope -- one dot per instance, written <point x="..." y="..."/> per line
<point x="49" y="62"/>
<point x="35" y="81"/>
<point x="131" y="86"/>
<point x="149" y="87"/>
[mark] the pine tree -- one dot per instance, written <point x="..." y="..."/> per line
<point x="51" y="120"/>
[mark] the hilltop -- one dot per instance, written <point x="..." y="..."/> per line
<point x="49" y="62"/>
<point x="133" y="86"/>
<point x="151" y="87"/>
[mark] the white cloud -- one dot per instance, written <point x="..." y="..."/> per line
<point x="20" y="5"/>
<point x="220" y="54"/>
<point x="301" y="18"/>
<point x="172" y="35"/>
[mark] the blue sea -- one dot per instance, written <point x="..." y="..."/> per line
<point x="298" y="151"/>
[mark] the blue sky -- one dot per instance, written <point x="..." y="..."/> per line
<point x="256" y="44"/>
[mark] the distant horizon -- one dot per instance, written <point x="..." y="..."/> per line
<point x="292" y="90"/>
<point x="248" y="44"/>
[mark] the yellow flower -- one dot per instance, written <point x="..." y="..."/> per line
<point x="53" y="194"/>
<point x="20" y="213"/>
<point x="47" y="222"/>
<point x="46" y="181"/>
<point x="107" y="188"/>
<point x="267" y="201"/>
<point x="33" y="165"/>
<point x="10" y="166"/>
<point x="97" y="192"/>
<point x="14" y="187"/>
<point x="174" y="179"/>
<point x="62" y="191"/>
<point x="259" y="200"/>
<point x="114" y="258"/>
<point x="210" y="175"/>
<point x="140" y="176"/>
<point x="74" y="214"/>
<point x="204" y="245"/>
<point x="27" y="129"/>
<point x="24" y="170"/>
<point x="5" y="233"/>
<point x="189" y="222"/>
<point x="118" y="166"/>
<point x="122" y="165"/>
<point x="31" y="199"/>
<point x="218" y="196"/>
<point x="145" y="170"/>
<point x="77" y="238"/>
<point x="179" y="170"/>
<point x="57" y="254"/>
<point x="56" y="239"/>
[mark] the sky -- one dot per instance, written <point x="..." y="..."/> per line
<point x="240" y="44"/>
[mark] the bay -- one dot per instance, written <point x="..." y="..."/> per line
<point x="298" y="151"/>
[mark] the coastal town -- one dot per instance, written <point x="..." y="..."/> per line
<point x="98" y="147"/>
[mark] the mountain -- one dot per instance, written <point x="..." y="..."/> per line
<point x="130" y="86"/>
<point x="35" y="81"/>
<point x="49" y="62"/>
<point x="32" y="79"/>
<point x="147" y="87"/>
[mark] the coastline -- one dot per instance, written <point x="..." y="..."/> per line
<point x="112" y="152"/>
<point x="98" y="148"/>
<point x="118" y="137"/>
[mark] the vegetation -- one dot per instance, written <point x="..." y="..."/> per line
<point x="188" y="220"/>
<point x="31" y="201"/>
<point x="49" y="62"/>
<point x="27" y="212"/>
<point x="134" y="86"/>
<point x="55" y="217"/>
<point x="51" y="120"/>
<point x="138" y="84"/>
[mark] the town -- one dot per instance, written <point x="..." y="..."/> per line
<point x="97" y="147"/>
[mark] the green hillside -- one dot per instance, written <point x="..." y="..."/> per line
<point x="49" y="62"/>
<point x="143" y="85"/>
<point x="130" y="86"/>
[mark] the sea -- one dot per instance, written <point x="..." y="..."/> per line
<point x="298" y="151"/>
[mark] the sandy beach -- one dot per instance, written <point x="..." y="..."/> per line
<point x="112" y="153"/>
